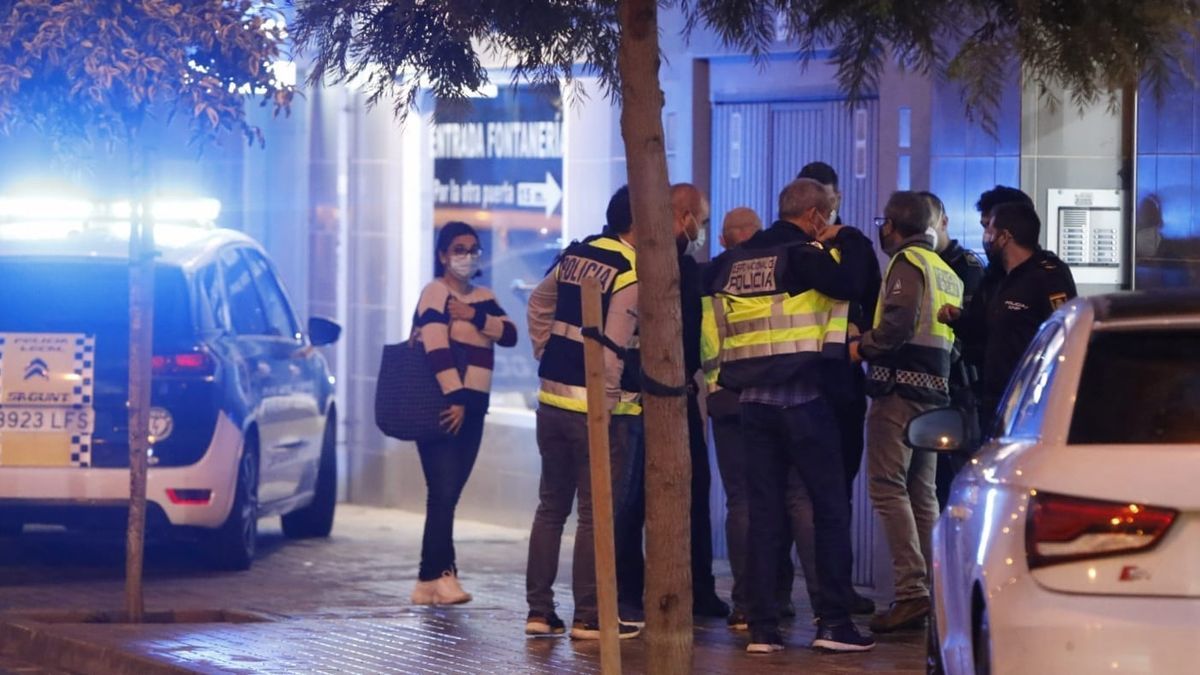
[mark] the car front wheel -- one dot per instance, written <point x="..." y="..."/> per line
<point x="316" y="519"/>
<point x="234" y="544"/>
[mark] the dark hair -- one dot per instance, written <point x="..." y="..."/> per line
<point x="908" y="211"/>
<point x="820" y="172"/>
<point x="1001" y="194"/>
<point x="447" y="234"/>
<point x="1020" y="220"/>
<point x="619" y="216"/>
<point x="935" y="203"/>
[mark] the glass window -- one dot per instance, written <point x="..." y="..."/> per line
<point x="213" y="306"/>
<point x="91" y="297"/>
<point x="1028" y="422"/>
<point x="280" y="320"/>
<point x="245" y="310"/>
<point x="1139" y="387"/>
<point x="1021" y="381"/>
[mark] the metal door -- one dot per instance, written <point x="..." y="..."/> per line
<point x="758" y="148"/>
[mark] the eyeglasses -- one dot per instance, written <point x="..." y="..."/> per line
<point x="474" y="251"/>
<point x="879" y="221"/>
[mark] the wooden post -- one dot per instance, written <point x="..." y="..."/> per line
<point x="601" y="470"/>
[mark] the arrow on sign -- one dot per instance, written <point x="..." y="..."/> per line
<point x="545" y="195"/>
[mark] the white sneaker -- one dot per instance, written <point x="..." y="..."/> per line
<point x="449" y="591"/>
<point x="425" y="593"/>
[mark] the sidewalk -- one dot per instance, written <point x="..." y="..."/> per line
<point x="341" y="606"/>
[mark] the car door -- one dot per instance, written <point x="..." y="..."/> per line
<point x="293" y="396"/>
<point x="974" y="505"/>
<point x="257" y="352"/>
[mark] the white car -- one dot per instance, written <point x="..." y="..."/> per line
<point x="243" y="422"/>
<point x="1071" y="542"/>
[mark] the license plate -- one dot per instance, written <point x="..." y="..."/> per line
<point x="47" y="419"/>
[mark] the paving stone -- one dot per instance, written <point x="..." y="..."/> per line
<point x="341" y="606"/>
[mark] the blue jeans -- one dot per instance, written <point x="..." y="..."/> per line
<point x="776" y="440"/>
<point x="447" y="464"/>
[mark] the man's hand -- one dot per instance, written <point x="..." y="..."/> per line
<point x="949" y="313"/>
<point x="461" y="311"/>
<point x="855" y="356"/>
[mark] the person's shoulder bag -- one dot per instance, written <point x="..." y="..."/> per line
<point x="408" y="398"/>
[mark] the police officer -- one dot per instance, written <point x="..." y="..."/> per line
<point x="908" y="352"/>
<point x="1035" y="283"/>
<point x="963" y="376"/>
<point x="781" y="308"/>
<point x="555" y="325"/>
<point x="970" y="329"/>
<point x="691" y="214"/>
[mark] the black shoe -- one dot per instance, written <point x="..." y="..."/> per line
<point x="539" y="625"/>
<point x="902" y="614"/>
<point x="842" y="638"/>
<point x="862" y="605"/>
<point x="710" y="607"/>
<point x="591" y="631"/>
<point x="737" y="620"/>
<point x="764" y="642"/>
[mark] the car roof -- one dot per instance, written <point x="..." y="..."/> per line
<point x="1138" y="305"/>
<point x="185" y="246"/>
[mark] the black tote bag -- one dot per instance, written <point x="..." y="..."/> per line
<point x="408" y="399"/>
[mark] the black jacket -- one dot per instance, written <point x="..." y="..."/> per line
<point x="1020" y="302"/>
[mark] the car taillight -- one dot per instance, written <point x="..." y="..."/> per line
<point x="1064" y="529"/>
<point x="187" y="363"/>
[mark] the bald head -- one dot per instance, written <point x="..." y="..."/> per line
<point x="739" y="225"/>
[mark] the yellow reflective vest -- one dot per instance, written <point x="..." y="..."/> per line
<point x="920" y="369"/>
<point x="765" y="328"/>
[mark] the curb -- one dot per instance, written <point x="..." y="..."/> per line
<point x="37" y="643"/>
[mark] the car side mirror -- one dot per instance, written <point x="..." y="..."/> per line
<point x="323" y="331"/>
<point x="940" y="430"/>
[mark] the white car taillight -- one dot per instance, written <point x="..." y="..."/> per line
<point x="1064" y="529"/>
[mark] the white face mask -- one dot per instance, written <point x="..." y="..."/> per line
<point x="933" y="236"/>
<point x="832" y="219"/>
<point x="694" y="246"/>
<point x="464" y="266"/>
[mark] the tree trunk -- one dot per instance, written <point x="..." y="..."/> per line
<point x="668" y="598"/>
<point x="141" y="345"/>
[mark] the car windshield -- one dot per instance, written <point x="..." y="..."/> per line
<point x="1139" y="387"/>
<point x="49" y="296"/>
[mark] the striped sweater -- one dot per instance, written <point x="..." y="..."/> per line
<point x="461" y="352"/>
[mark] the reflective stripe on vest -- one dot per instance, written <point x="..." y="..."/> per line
<point x="711" y="334"/>
<point x="568" y="397"/>
<point x="572" y="395"/>
<point x="923" y="363"/>
<point x="766" y="332"/>
<point x="781" y="324"/>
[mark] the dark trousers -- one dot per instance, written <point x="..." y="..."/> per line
<point x="447" y="464"/>
<point x="776" y="440"/>
<point x="851" y="413"/>
<point x="731" y="462"/>
<point x="566" y="471"/>
<point x="631" y="515"/>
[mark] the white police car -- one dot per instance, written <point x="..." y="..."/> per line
<point x="243" y="423"/>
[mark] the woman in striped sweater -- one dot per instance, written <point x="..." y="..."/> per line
<point x="459" y="324"/>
